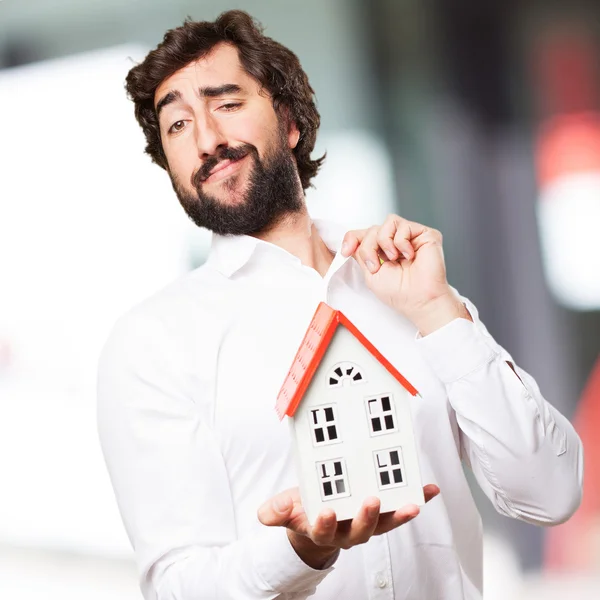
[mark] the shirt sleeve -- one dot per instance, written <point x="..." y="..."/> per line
<point x="525" y="455"/>
<point x="171" y="483"/>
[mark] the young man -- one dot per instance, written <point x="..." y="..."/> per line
<point x="200" y="464"/>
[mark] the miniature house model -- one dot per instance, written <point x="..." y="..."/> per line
<point x="349" y="413"/>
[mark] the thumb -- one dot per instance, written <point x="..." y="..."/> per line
<point x="276" y="511"/>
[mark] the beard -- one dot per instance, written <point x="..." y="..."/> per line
<point x="271" y="193"/>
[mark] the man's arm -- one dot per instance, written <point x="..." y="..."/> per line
<point x="171" y="484"/>
<point x="525" y="455"/>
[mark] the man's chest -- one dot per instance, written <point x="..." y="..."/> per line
<point x="264" y="331"/>
<point x="261" y="329"/>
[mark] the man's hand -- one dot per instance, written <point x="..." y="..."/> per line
<point x="318" y="543"/>
<point x="403" y="264"/>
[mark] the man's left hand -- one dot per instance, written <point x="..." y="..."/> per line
<point x="403" y="264"/>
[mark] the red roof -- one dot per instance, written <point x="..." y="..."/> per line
<point x="316" y="341"/>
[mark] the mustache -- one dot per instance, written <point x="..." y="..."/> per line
<point x="233" y="154"/>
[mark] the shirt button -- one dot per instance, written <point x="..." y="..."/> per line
<point x="380" y="580"/>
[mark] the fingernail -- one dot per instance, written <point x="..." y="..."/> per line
<point x="328" y="517"/>
<point x="344" y="248"/>
<point x="372" y="511"/>
<point x="281" y="504"/>
<point x="370" y="265"/>
<point x="405" y="254"/>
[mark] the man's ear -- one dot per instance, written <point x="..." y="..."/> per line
<point x="293" y="135"/>
<point x="285" y="120"/>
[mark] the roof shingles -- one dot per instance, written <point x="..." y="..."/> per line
<point x="312" y="349"/>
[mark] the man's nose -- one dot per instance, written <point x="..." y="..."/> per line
<point x="209" y="137"/>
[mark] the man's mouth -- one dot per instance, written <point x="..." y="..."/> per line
<point x="223" y="169"/>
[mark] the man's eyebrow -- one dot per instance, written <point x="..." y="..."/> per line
<point x="221" y="90"/>
<point x="172" y="96"/>
<point x="205" y="92"/>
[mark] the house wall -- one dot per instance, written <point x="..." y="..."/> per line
<point x="355" y="446"/>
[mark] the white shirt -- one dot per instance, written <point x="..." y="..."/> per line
<point x="187" y="422"/>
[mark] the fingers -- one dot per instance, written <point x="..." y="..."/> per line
<point x="394" y="237"/>
<point x="365" y="241"/>
<point x="384" y="236"/>
<point x="277" y="510"/>
<point x="351" y="241"/>
<point x="324" y="528"/>
<point x="430" y="491"/>
<point x="392" y="520"/>
<point x="391" y="241"/>
<point x="363" y="525"/>
<point x="326" y="531"/>
<point x="402" y="239"/>
<point x="427" y="236"/>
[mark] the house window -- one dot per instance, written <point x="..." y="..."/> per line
<point x="333" y="479"/>
<point x="324" y="425"/>
<point x="381" y="415"/>
<point x="345" y="371"/>
<point x="389" y="468"/>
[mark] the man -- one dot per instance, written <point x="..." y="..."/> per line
<point x="200" y="464"/>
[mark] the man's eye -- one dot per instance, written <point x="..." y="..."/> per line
<point x="230" y="106"/>
<point x="177" y="126"/>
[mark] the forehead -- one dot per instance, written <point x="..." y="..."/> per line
<point x="221" y="65"/>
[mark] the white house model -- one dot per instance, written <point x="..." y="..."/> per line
<point x="350" y="418"/>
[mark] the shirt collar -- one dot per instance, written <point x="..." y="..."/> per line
<point x="229" y="253"/>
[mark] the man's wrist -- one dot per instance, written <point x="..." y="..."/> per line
<point x="439" y="312"/>
<point x="316" y="557"/>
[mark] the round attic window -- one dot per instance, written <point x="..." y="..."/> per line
<point x="345" y="371"/>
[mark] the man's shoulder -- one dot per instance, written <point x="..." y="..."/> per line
<point x="177" y="294"/>
<point x="172" y="310"/>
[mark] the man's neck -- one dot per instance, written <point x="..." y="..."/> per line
<point x="298" y="235"/>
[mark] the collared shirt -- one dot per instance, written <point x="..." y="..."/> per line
<point x="186" y="395"/>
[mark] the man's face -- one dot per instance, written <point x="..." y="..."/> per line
<point x="229" y="156"/>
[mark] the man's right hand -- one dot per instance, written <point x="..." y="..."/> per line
<point x="317" y="544"/>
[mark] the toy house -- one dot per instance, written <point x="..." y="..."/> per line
<point x="350" y="418"/>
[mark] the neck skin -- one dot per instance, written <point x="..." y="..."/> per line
<point x="298" y="235"/>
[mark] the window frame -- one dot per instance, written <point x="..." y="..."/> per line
<point x="332" y="478"/>
<point x="389" y="468"/>
<point x="325" y="425"/>
<point x="382" y="415"/>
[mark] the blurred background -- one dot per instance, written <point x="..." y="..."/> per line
<point x="481" y="119"/>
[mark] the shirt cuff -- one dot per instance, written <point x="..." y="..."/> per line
<point x="455" y="350"/>
<point x="281" y="568"/>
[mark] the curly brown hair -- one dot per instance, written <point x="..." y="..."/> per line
<point x="275" y="67"/>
